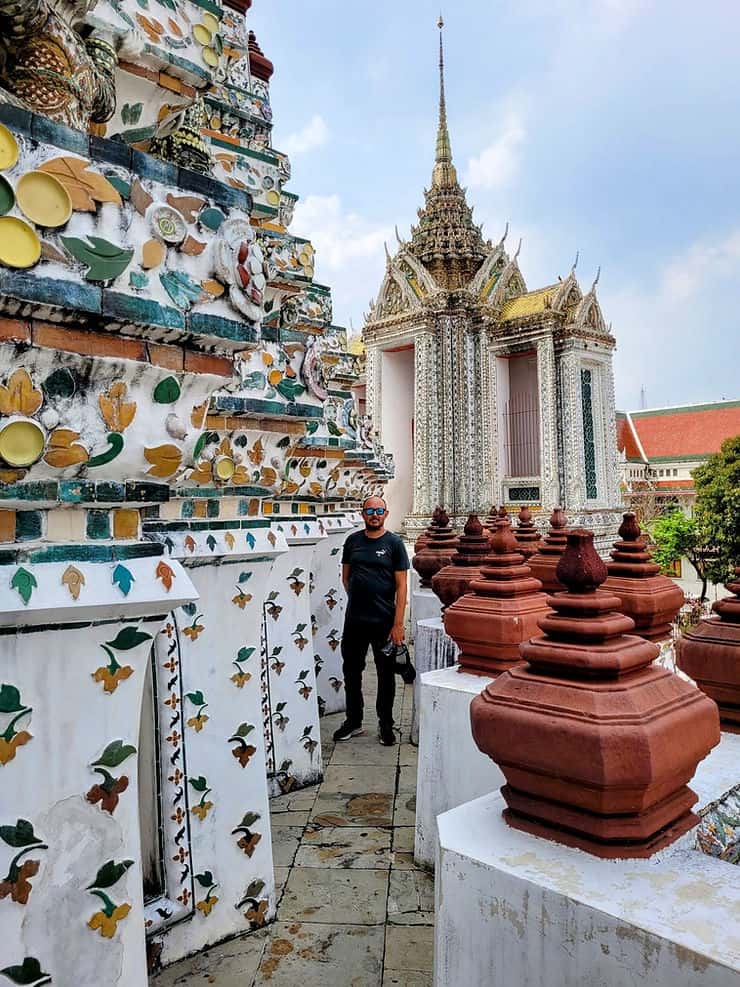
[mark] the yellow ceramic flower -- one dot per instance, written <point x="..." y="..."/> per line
<point x="240" y="679"/>
<point x="110" y="679"/>
<point x="107" y="924"/>
<point x="197" y="722"/>
<point x="207" y="905"/>
<point x="201" y="810"/>
<point x="9" y="747"/>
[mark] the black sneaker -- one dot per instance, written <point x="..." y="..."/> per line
<point x="386" y="736"/>
<point x="346" y="731"/>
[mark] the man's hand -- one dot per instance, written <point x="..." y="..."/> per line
<point x="397" y="634"/>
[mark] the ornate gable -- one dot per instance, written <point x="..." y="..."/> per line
<point x="397" y="296"/>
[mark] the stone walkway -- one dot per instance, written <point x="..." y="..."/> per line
<point x="353" y="910"/>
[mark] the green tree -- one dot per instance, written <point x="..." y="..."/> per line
<point x="717" y="508"/>
<point x="677" y="536"/>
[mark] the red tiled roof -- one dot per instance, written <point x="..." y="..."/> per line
<point x="675" y="484"/>
<point x="625" y="438"/>
<point x="685" y="432"/>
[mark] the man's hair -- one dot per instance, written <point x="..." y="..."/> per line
<point x="374" y="497"/>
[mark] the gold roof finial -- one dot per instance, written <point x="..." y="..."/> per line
<point x="444" y="174"/>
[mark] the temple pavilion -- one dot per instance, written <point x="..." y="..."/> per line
<point x="492" y="392"/>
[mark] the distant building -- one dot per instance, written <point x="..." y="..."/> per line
<point x="484" y="391"/>
<point x="658" y="450"/>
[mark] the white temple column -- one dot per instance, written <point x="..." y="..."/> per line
<point x="570" y="426"/>
<point x="547" y="377"/>
<point x="426" y="425"/>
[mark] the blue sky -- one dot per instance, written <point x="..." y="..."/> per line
<point x="611" y="127"/>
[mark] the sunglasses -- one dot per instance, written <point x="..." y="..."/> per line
<point x="380" y="511"/>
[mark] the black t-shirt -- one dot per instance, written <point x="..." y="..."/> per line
<point x="373" y="563"/>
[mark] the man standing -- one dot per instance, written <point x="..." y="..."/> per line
<point x="374" y="566"/>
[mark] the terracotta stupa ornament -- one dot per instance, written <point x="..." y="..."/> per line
<point x="597" y="744"/>
<point x="649" y="598"/>
<point x="424" y="536"/>
<point x="545" y="560"/>
<point x="453" y="580"/>
<point x="526" y="534"/>
<point x="437" y="552"/>
<point x="497" y="517"/>
<point x="501" y="609"/>
<point x="710" y="654"/>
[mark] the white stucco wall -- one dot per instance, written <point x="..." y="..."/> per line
<point x="397" y="413"/>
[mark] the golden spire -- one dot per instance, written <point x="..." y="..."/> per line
<point x="444" y="174"/>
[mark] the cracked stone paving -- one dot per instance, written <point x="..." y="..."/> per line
<point x="353" y="909"/>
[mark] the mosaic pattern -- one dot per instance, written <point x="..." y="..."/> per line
<point x="718" y="833"/>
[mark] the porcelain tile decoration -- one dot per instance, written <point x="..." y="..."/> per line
<point x="176" y="408"/>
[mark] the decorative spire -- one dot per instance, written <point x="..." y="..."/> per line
<point x="446" y="240"/>
<point x="444" y="174"/>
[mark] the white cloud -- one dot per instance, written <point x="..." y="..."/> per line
<point x="670" y="332"/>
<point x="350" y="257"/>
<point x="314" y="134"/>
<point x="497" y="165"/>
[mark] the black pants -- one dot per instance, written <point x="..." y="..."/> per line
<point x="357" y="637"/>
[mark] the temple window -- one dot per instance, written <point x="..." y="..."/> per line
<point x="518" y="382"/>
<point x="589" y="445"/>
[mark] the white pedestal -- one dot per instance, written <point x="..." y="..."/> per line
<point x="516" y="909"/>
<point x="451" y="768"/>
<point x="433" y="650"/>
<point x="425" y="605"/>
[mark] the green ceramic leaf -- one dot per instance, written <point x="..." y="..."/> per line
<point x="59" y="384"/>
<point x="25" y="582"/>
<point x="7" y="196"/>
<point x="250" y="818"/>
<point x="205" y="879"/>
<point x="10" y="699"/>
<point x="218" y="44"/>
<point x="115" y="448"/>
<point x="254" y="889"/>
<point x="190" y="609"/>
<point x="105" y="260"/>
<point x="251" y="540"/>
<point x="312" y="427"/>
<point x="243" y="730"/>
<point x="128" y="638"/>
<point x="245" y="654"/>
<point x="123" y="578"/>
<point x="109" y="874"/>
<point x="196" y="698"/>
<point x="199" y="784"/>
<point x="284" y="442"/>
<point x="333" y="428"/>
<point x="167" y="391"/>
<point x="123" y="188"/>
<point x="180" y="288"/>
<point x="114" y="754"/>
<point x="29" y="972"/>
<point x="211" y="218"/>
<point x="290" y="389"/>
<point x="244" y="577"/>
<point x="21" y="834"/>
<point x="211" y="542"/>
